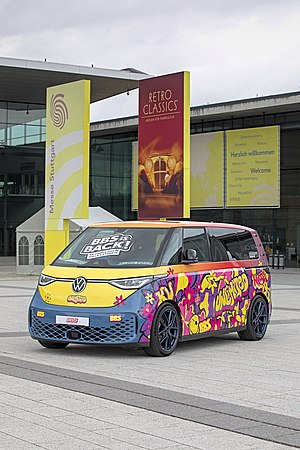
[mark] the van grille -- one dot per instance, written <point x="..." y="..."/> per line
<point x="119" y="332"/>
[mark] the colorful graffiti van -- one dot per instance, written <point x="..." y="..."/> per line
<point x="153" y="284"/>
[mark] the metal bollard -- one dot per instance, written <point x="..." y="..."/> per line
<point x="281" y="262"/>
<point x="271" y="260"/>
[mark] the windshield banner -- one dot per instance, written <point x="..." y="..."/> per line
<point x="107" y="246"/>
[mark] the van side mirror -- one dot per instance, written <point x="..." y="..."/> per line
<point x="190" y="256"/>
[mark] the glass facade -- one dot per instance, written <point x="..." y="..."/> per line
<point x="279" y="228"/>
<point x="111" y="174"/>
<point x="22" y="144"/>
<point x="22" y="160"/>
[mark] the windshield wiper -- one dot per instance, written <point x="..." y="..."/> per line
<point x="96" y="263"/>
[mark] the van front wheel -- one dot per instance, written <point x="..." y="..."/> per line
<point x="165" y="332"/>
<point x="53" y="344"/>
<point x="257" y="321"/>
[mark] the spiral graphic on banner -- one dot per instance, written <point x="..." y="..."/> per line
<point x="58" y="111"/>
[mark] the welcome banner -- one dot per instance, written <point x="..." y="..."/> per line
<point x="67" y="161"/>
<point x="164" y="147"/>
<point x="252" y="167"/>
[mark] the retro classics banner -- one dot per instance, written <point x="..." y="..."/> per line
<point x="67" y="161"/>
<point x="253" y="171"/>
<point x="207" y="170"/>
<point x="164" y="147"/>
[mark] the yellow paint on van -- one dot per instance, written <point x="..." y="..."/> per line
<point x="98" y="292"/>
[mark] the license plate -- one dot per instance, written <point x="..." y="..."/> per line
<point x="72" y="320"/>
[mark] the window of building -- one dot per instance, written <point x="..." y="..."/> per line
<point x="238" y="122"/>
<point x="33" y="131"/>
<point x="121" y="159"/>
<point x="17" y="135"/>
<point x="100" y="158"/>
<point x="207" y="127"/>
<point x="23" y="251"/>
<point x="38" y="251"/>
<point x="255" y="121"/>
<point x="269" y="119"/>
<point x="1" y="185"/>
<point x="111" y="175"/>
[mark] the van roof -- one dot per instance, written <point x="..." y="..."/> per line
<point x="167" y="224"/>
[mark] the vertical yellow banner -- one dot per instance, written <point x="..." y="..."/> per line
<point x="67" y="162"/>
<point x="187" y="146"/>
<point x="207" y="170"/>
<point x="134" y="184"/>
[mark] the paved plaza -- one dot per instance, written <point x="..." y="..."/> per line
<point x="217" y="393"/>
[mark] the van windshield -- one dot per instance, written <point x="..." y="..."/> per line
<point x="114" y="247"/>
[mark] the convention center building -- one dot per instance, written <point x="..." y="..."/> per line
<point x="112" y="145"/>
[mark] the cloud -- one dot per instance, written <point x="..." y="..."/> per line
<point x="233" y="49"/>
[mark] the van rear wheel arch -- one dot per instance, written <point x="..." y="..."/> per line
<point x="257" y="319"/>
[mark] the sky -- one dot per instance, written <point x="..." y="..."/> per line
<point x="234" y="49"/>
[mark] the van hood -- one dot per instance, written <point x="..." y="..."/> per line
<point x="94" y="289"/>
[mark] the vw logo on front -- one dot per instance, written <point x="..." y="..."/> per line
<point x="79" y="284"/>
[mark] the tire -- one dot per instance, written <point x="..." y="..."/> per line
<point x="53" y="344"/>
<point x="257" y="321"/>
<point x="165" y="332"/>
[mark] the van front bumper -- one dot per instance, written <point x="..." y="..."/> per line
<point x="107" y="326"/>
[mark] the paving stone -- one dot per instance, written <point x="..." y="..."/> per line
<point x="215" y="369"/>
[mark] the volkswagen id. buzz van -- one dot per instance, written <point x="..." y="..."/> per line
<point x="153" y="284"/>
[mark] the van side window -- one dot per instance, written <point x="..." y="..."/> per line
<point x="172" y="254"/>
<point x="229" y="244"/>
<point x="248" y="247"/>
<point x="225" y="245"/>
<point x="196" y="238"/>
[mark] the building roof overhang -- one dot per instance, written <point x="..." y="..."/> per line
<point x="26" y="81"/>
<point x="272" y="104"/>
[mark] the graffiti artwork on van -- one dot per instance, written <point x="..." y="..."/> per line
<point x="211" y="301"/>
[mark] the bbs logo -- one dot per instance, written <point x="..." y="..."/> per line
<point x="108" y="245"/>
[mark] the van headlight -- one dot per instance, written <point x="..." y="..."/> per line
<point x="45" y="279"/>
<point x="131" y="283"/>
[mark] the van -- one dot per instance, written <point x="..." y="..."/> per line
<point x="153" y="284"/>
